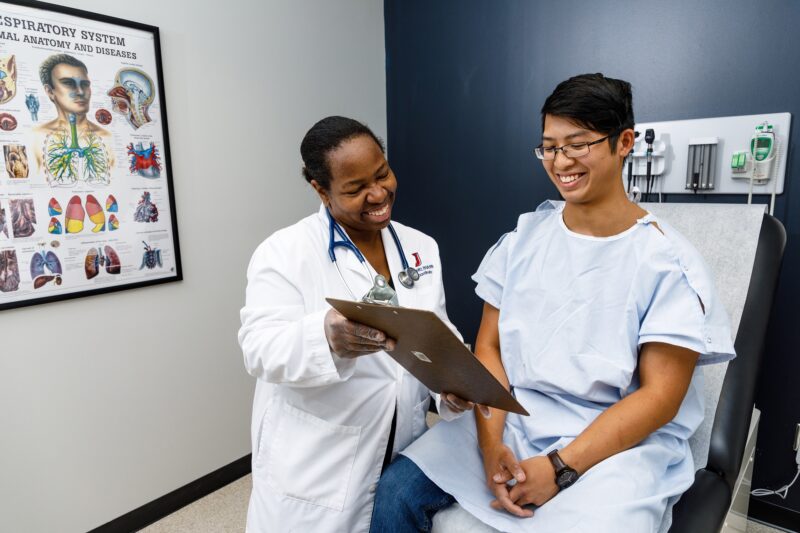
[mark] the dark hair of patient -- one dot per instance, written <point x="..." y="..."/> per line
<point x="594" y="102"/>
<point x="324" y="137"/>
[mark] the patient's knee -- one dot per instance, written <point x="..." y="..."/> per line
<point x="406" y="499"/>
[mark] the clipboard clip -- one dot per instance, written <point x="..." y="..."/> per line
<point x="381" y="293"/>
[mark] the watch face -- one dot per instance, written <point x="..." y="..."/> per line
<point x="566" y="478"/>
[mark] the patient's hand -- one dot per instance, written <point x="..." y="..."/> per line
<point x="501" y="467"/>
<point x="539" y="485"/>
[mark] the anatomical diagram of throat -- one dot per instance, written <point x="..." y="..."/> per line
<point x="69" y="158"/>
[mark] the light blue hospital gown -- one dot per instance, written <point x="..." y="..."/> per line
<point x="574" y="310"/>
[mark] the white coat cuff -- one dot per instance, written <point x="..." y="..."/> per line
<point x="315" y="344"/>
<point x="445" y="412"/>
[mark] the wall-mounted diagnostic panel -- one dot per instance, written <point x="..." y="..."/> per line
<point x="726" y="155"/>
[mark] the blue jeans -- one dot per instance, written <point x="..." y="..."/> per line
<point x="406" y="499"/>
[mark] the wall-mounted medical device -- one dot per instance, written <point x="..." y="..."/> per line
<point x="763" y="147"/>
<point x="757" y="162"/>
<point x="726" y="155"/>
<point x="701" y="164"/>
<point x="645" y="164"/>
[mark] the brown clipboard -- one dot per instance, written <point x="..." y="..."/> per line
<point x="432" y="353"/>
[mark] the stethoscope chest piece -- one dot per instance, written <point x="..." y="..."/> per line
<point x="407" y="277"/>
<point x="381" y="293"/>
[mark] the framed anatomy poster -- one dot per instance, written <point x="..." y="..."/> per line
<point x="86" y="196"/>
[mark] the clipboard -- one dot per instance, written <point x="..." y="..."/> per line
<point x="432" y="353"/>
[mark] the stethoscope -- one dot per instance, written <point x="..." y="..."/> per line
<point x="407" y="276"/>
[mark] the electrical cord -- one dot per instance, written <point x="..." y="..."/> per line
<point x="775" y="178"/>
<point x="783" y="491"/>
<point x="630" y="170"/>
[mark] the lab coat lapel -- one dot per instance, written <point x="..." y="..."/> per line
<point x="404" y="295"/>
<point x="395" y="266"/>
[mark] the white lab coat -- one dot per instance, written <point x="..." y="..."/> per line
<point x="321" y="423"/>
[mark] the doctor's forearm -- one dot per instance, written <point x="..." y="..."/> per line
<point x="291" y="352"/>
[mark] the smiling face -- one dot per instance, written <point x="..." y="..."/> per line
<point x="71" y="91"/>
<point x="362" y="188"/>
<point x="592" y="178"/>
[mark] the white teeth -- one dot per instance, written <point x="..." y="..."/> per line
<point x="569" y="179"/>
<point x="380" y="212"/>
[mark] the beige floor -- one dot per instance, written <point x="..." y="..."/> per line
<point x="225" y="511"/>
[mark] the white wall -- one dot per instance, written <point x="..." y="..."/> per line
<point x="109" y="402"/>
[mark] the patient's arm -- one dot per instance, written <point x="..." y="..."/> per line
<point x="499" y="462"/>
<point x="665" y="372"/>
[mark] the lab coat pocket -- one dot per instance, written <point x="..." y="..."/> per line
<point x="310" y="459"/>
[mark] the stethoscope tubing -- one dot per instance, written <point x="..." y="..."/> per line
<point x="346" y="242"/>
<point x="399" y="246"/>
<point x="407" y="276"/>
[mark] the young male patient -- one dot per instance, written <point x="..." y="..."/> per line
<point x="595" y="315"/>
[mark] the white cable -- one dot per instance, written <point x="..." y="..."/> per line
<point x="782" y="492"/>
<point x="775" y="177"/>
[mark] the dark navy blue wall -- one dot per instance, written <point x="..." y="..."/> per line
<point x="466" y="79"/>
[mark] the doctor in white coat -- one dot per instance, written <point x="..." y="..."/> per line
<point x="331" y="407"/>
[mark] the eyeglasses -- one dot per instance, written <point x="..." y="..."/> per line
<point x="569" y="150"/>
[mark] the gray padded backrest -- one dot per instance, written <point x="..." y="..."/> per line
<point x="727" y="236"/>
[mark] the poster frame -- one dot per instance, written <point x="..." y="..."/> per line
<point x="165" y="155"/>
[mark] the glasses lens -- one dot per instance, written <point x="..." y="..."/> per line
<point x="576" y="150"/>
<point x="544" y="153"/>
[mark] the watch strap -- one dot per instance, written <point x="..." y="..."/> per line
<point x="558" y="463"/>
<point x="565" y="475"/>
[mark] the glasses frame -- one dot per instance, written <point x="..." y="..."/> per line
<point x="540" y="153"/>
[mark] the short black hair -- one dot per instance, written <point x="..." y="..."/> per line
<point x="595" y="102"/>
<point x="324" y="137"/>
<point x="47" y="66"/>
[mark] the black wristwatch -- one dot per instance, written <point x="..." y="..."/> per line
<point x="565" y="476"/>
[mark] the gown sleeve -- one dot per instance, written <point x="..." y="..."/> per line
<point x="491" y="274"/>
<point x="684" y="309"/>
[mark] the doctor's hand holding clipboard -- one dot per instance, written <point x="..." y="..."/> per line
<point x="349" y="339"/>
